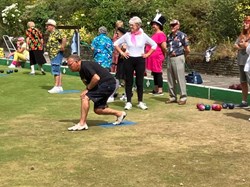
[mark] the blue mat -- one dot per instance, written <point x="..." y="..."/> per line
<point x="109" y="125"/>
<point x="3" y="75"/>
<point x="69" y="91"/>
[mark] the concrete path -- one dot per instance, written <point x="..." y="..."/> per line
<point x="211" y="80"/>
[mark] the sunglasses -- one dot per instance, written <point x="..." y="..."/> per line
<point x="173" y="25"/>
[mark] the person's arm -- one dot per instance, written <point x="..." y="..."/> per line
<point x="164" y="48"/>
<point x="153" y="46"/>
<point x="64" y="40"/>
<point x="10" y="54"/>
<point x="248" y="49"/>
<point x="118" y="48"/>
<point x="243" y="44"/>
<point x="22" y="48"/>
<point x="93" y="82"/>
<point x="186" y="46"/>
<point x="27" y="39"/>
<point x="186" y="50"/>
<point x="236" y="46"/>
<point x="240" y="44"/>
<point x="27" y="42"/>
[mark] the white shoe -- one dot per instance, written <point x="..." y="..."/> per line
<point x="110" y="100"/>
<point x="60" y="88"/>
<point x="55" y="89"/>
<point x="11" y="66"/>
<point x="128" y="106"/>
<point x="123" y="98"/>
<point x="78" y="127"/>
<point x="120" y="119"/>
<point x="142" y="106"/>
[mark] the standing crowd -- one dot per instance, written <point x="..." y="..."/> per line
<point x="128" y="54"/>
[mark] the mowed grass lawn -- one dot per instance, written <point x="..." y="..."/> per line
<point x="169" y="145"/>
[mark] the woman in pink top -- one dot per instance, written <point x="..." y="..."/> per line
<point x="155" y="61"/>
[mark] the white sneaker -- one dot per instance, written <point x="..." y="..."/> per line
<point x="78" y="127"/>
<point x="11" y="66"/>
<point x="128" y="106"/>
<point x="123" y="98"/>
<point x="120" y="119"/>
<point x="110" y="100"/>
<point x="60" y="88"/>
<point x="55" y="89"/>
<point x="142" y="106"/>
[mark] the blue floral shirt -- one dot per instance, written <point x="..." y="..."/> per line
<point x="103" y="49"/>
<point x="176" y="43"/>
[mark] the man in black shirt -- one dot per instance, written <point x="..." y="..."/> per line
<point x="100" y="84"/>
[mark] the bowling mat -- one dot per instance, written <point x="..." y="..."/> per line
<point x="110" y="125"/>
<point x="69" y="91"/>
<point x="3" y="75"/>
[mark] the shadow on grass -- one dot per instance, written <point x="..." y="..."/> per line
<point x="46" y="87"/>
<point x="117" y="102"/>
<point x="238" y="115"/>
<point x="159" y="98"/>
<point x="89" y="122"/>
<point x="38" y="73"/>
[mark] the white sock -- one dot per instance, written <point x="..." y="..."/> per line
<point x="32" y="67"/>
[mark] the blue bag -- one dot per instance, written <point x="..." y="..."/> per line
<point x="194" y="77"/>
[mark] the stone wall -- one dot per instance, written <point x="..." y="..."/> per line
<point x="226" y="67"/>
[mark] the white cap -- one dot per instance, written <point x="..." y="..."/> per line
<point x="51" y="22"/>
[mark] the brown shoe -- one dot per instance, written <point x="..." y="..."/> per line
<point x="182" y="102"/>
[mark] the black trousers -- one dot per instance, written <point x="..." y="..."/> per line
<point x="137" y="65"/>
<point x="158" y="80"/>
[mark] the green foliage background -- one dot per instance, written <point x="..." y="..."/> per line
<point x="207" y="22"/>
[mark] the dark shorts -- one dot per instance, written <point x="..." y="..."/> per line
<point x="101" y="93"/>
<point x="36" y="57"/>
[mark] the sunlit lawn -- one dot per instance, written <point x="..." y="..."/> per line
<point x="169" y="145"/>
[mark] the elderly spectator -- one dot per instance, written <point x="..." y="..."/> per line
<point x="20" y="55"/>
<point x="135" y="55"/>
<point x="56" y="46"/>
<point x="155" y="61"/>
<point x="34" y="40"/>
<point x="103" y="48"/>
<point x="178" y="48"/>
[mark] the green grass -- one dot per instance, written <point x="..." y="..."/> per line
<point x="169" y="145"/>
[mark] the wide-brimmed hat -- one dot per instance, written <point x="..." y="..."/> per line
<point x="51" y="22"/>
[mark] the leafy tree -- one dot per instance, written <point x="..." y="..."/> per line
<point x="224" y="19"/>
<point x="206" y="22"/>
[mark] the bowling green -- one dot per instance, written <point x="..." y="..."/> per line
<point x="169" y="145"/>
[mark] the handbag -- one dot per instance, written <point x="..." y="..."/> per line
<point x="194" y="78"/>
